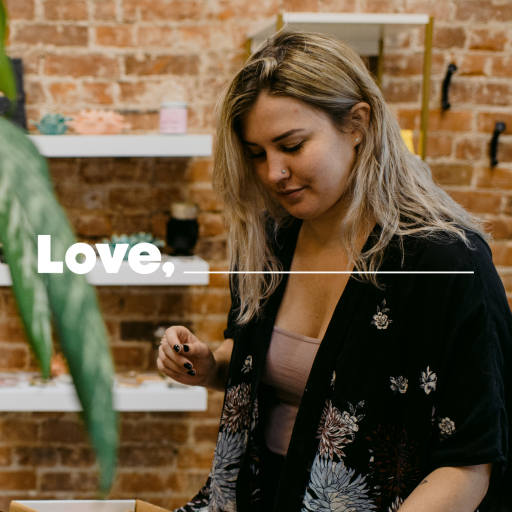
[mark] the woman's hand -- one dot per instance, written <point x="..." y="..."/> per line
<point x="185" y="359"/>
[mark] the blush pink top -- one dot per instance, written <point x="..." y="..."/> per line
<point x="289" y="360"/>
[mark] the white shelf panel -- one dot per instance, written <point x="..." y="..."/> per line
<point x="61" y="396"/>
<point x="56" y="146"/>
<point x="127" y="277"/>
<point x="363" y="31"/>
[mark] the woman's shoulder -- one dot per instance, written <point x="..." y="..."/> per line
<point x="445" y="251"/>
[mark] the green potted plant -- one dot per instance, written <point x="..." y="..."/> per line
<point x="28" y="208"/>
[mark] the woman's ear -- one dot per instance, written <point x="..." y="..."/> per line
<point x="360" y="114"/>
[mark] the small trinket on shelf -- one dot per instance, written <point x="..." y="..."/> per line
<point x="173" y="117"/>
<point x="182" y="228"/>
<point x="98" y="122"/>
<point x="52" y="124"/>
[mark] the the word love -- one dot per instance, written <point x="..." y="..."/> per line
<point x="139" y="262"/>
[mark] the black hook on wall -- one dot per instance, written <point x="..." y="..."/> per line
<point x="445" y="104"/>
<point x="498" y="129"/>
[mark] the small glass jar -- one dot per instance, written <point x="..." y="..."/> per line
<point x="173" y="117"/>
<point x="182" y="228"/>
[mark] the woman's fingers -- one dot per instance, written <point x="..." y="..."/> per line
<point x="173" y="361"/>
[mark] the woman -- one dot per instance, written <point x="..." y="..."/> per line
<point x="346" y="391"/>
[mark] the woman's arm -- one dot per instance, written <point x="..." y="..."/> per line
<point x="450" y="489"/>
<point x="222" y="356"/>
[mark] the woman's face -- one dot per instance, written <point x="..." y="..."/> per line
<point x="281" y="133"/>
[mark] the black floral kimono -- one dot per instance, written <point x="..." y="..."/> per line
<point x="407" y="379"/>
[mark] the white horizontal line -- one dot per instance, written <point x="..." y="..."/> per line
<point x="333" y="272"/>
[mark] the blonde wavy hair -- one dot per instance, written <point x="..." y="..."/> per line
<point x="387" y="181"/>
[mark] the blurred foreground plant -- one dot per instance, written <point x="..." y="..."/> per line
<point x="28" y="208"/>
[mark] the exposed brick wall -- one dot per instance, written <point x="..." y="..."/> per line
<point x="130" y="55"/>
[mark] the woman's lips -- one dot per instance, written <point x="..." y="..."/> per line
<point x="292" y="194"/>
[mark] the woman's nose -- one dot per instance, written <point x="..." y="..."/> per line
<point x="275" y="167"/>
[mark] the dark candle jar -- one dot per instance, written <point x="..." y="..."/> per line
<point x="182" y="228"/>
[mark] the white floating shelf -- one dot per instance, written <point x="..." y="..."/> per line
<point x="55" y="146"/>
<point x="363" y="31"/>
<point x="149" y="396"/>
<point x="127" y="277"/>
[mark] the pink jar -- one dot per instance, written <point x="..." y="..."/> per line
<point x="173" y="117"/>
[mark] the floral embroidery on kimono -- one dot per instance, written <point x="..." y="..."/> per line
<point x="331" y="487"/>
<point x="428" y="381"/>
<point x="380" y="320"/>
<point x="447" y="427"/>
<point x="399" y="384"/>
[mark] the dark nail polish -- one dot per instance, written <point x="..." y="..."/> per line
<point x="191" y="372"/>
<point x="185" y="348"/>
<point x="176" y="348"/>
<point x="188" y="366"/>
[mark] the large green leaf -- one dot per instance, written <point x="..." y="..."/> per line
<point x="7" y="82"/>
<point x="28" y="208"/>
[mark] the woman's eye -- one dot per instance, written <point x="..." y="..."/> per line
<point x="293" y="149"/>
<point x="257" y="155"/>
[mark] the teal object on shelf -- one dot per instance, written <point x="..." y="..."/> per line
<point x="132" y="240"/>
<point x="52" y="124"/>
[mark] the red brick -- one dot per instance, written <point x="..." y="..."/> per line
<point x="210" y="330"/>
<point x="13" y="431"/>
<point x="62" y="431"/>
<point x="211" y="249"/>
<point x="481" y="93"/>
<point x="63" y="93"/>
<point x="494" y="178"/>
<point x="501" y="229"/>
<point x="188" y="458"/>
<point x="207" y="199"/>
<point x="60" y="481"/>
<point x="504" y="152"/>
<point x="155" y="36"/>
<point x="437" y="8"/>
<point x="501" y="254"/>
<point x="206" y="433"/>
<point x="119" y="35"/>
<point x="472" y="64"/>
<point x="143" y="121"/>
<point x="159" y="225"/>
<point x="98" y="66"/>
<point x="128" y="224"/>
<point x="486" y="122"/>
<point x="20" y="9"/>
<point x="66" y="35"/>
<point x="469" y="149"/>
<point x="165" y="432"/>
<point x="508" y="205"/>
<point x="482" y="11"/>
<point x="36" y="456"/>
<point x="163" y="65"/>
<point x="104" y="10"/>
<point x="98" y="94"/>
<point x="76" y="457"/>
<point x="140" y="482"/>
<point x="180" y="482"/>
<point x="450" y="120"/>
<point x="141" y="198"/>
<point x="131" y="92"/>
<point x="477" y="202"/>
<point x="130" y="357"/>
<point x="94" y="224"/>
<point x="411" y="64"/>
<point x="135" y="456"/>
<point x="452" y="174"/>
<point x="439" y="145"/>
<point x="401" y="92"/>
<point x="5" y="456"/>
<point x="12" y="331"/>
<point x="65" y="10"/>
<point x="488" y="39"/>
<point x="448" y="37"/>
<point x="211" y="224"/>
<point x="301" y="5"/>
<point x="17" y="480"/>
<point x="34" y="92"/>
<point x="378" y="6"/>
<point x="502" y="66"/>
<point x="158" y="10"/>
<point x="201" y="170"/>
